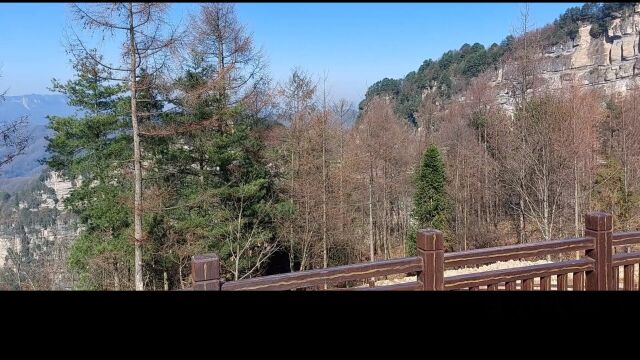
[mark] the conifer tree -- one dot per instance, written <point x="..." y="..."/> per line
<point x="430" y="203"/>
<point x="94" y="149"/>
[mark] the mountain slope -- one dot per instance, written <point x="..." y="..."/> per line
<point x="594" y="45"/>
<point x="37" y="107"/>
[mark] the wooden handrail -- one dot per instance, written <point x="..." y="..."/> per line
<point x="332" y="275"/>
<point x="408" y="286"/>
<point x="626" y="238"/>
<point x="405" y="286"/>
<point x="626" y="259"/>
<point x="515" y="252"/>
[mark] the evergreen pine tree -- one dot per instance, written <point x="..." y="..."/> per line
<point x="430" y="203"/>
<point x="222" y="196"/>
<point x="94" y="149"/>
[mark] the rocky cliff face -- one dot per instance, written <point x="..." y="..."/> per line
<point x="39" y="221"/>
<point x="610" y="63"/>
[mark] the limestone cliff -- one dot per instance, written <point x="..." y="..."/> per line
<point x="36" y="218"/>
<point x="610" y="63"/>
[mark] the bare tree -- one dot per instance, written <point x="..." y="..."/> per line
<point x="620" y="133"/>
<point x="325" y="184"/>
<point x="541" y="162"/>
<point x="297" y="107"/>
<point x="341" y="109"/>
<point x="427" y="115"/>
<point x="14" y="138"/>
<point x="238" y="73"/>
<point x="525" y="79"/>
<point x="381" y="155"/>
<point x="525" y="54"/>
<point x="247" y="243"/>
<point x="145" y="44"/>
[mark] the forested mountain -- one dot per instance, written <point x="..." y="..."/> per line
<point x="534" y="130"/>
<point x="561" y="47"/>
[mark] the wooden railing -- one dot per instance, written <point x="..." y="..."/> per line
<point x="598" y="268"/>
<point x="625" y="261"/>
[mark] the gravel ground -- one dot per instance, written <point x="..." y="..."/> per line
<point x="495" y="266"/>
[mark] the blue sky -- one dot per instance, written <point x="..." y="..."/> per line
<point x="356" y="44"/>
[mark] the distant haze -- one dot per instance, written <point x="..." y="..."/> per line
<point x="36" y="108"/>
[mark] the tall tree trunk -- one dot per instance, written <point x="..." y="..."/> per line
<point x="522" y="224"/>
<point x="479" y="211"/>
<point x="576" y="207"/>
<point x="324" y="182"/>
<point x="545" y="203"/>
<point x="627" y="249"/>
<point x="486" y="201"/>
<point x="341" y="191"/>
<point x="116" y="277"/>
<point x="546" y="208"/>
<point x="166" y="281"/>
<point x="496" y="184"/>
<point x="384" y="213"/>
<point x="624" y="152"/>
<point x="457" y="211"/>
<point x="237" y="264"/>
<point x="137" y="213"/>
<point x="371" y="242"/>
<point x="465" y="207"/>
<point x="324" y="194"/>
<point x="291" y="247"/>
<point x="372" y="280"/>
<point x="222" y="69"/>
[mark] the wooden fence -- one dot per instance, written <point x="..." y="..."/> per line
<point x="598" y="267"/>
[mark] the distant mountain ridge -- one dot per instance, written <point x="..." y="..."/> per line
<point x="36" y="107"/>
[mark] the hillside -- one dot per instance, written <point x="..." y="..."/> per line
<point x="37" y="107"/>
<point x="595" y="45"/>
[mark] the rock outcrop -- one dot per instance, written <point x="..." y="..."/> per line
<point x="610" y="63"/>
<point x="41" y="220"/>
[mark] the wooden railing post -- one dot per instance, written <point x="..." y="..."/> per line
<point x="205" y="272"/>
<point x="599" y="226"/>
<point x="430" y="248"/>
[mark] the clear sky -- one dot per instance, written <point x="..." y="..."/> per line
<point x="356" y="44"/>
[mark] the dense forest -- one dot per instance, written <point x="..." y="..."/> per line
<point x="187" y="146"/>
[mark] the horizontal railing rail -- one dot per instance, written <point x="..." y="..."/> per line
<point x="309" y="278"/>
<point x="626" y="238"/>
<point x="406" y="286"/>
<point x="626" y="259"/>
<point x="517" y="252"/>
